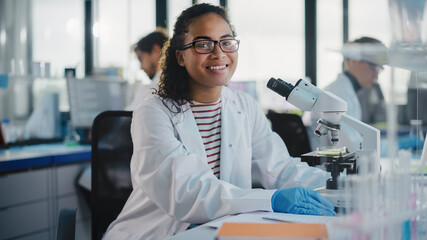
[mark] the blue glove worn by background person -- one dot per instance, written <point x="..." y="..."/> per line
<point x="301" y="201"/>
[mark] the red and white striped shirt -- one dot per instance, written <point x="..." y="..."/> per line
<point x="208" y="119"/>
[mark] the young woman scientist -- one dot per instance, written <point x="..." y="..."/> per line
<point x="197" y="143"/>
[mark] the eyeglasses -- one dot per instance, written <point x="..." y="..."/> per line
<point x="375" y="68"/>
<point x="208" y="46"/>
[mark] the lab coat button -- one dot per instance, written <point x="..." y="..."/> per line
<point x="230" y="145"/>
<point x="239" y="112"/>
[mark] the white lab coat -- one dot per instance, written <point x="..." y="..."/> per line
<point x="343" y="88"/>
<point x="348" y="137"/>
<point x="173" y="185"/>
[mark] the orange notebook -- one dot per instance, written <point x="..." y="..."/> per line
<point x="235" y="231"/>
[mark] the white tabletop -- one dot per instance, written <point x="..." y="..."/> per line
<point x="21" y="158"/>
<point x="32" y="151"/>
<point x="208" y="231"/>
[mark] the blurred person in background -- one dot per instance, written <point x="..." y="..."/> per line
<point x="148" y="51"/>
<point x="357" y="85"/>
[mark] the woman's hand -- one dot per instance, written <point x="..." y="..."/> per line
<point x="301" y="201"/>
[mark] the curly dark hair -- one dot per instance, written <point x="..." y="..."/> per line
<point x="174" y="78"/>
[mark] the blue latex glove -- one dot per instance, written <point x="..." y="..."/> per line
<point x="301" y="201"/>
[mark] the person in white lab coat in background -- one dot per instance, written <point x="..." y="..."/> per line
<point x="198" y="143"/>
<point x="363" y="61"/>
<point x="148" y="50"/>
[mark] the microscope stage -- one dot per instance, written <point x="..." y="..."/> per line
<point x="315" y="158"/>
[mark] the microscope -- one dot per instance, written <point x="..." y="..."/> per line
<point x="308" y="97"/>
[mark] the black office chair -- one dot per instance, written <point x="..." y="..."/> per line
<point x="66" y="228"/>
<point x="111" y="154"/>
<point x="292" y="130"/>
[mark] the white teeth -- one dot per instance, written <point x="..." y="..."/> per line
<point x="216" y="67"/>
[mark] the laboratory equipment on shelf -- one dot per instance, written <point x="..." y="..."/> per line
<point x="392" y="204"/>
<point x="308" y="97"/>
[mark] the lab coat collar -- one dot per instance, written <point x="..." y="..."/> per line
<point x="353" y="81"/>
<point x="188" y="132"/>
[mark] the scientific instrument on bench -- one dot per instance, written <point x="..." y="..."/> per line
<point x="308" y="97"/>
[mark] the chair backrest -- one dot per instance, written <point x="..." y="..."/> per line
<point x="292" y="130"/>
<point x="66" y="228"/>
<point x="111" y="154"/>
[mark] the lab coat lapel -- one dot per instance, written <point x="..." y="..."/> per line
<point x="231" y="131"/>
<point x="188" y="132"/>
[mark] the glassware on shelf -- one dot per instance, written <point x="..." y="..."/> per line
<point x="408" y="49"/>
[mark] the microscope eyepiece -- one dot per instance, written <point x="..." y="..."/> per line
<point x="279" y="86"/>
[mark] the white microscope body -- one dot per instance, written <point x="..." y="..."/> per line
<point x="308" y="97"/>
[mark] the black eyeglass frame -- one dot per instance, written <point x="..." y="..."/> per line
<point x="188" y="45"/>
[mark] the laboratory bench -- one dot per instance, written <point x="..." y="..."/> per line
<point x="36" y="182"/>
<point x="208" y="231"/>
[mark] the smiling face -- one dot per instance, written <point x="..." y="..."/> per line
<point x="207" y="72"/>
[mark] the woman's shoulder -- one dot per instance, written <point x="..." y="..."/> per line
<point x="155" y="106"/>
<point x="152" y="104"/>
<point x="150" y="100"/>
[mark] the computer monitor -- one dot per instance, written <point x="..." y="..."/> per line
<point x="88" y="97"/>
